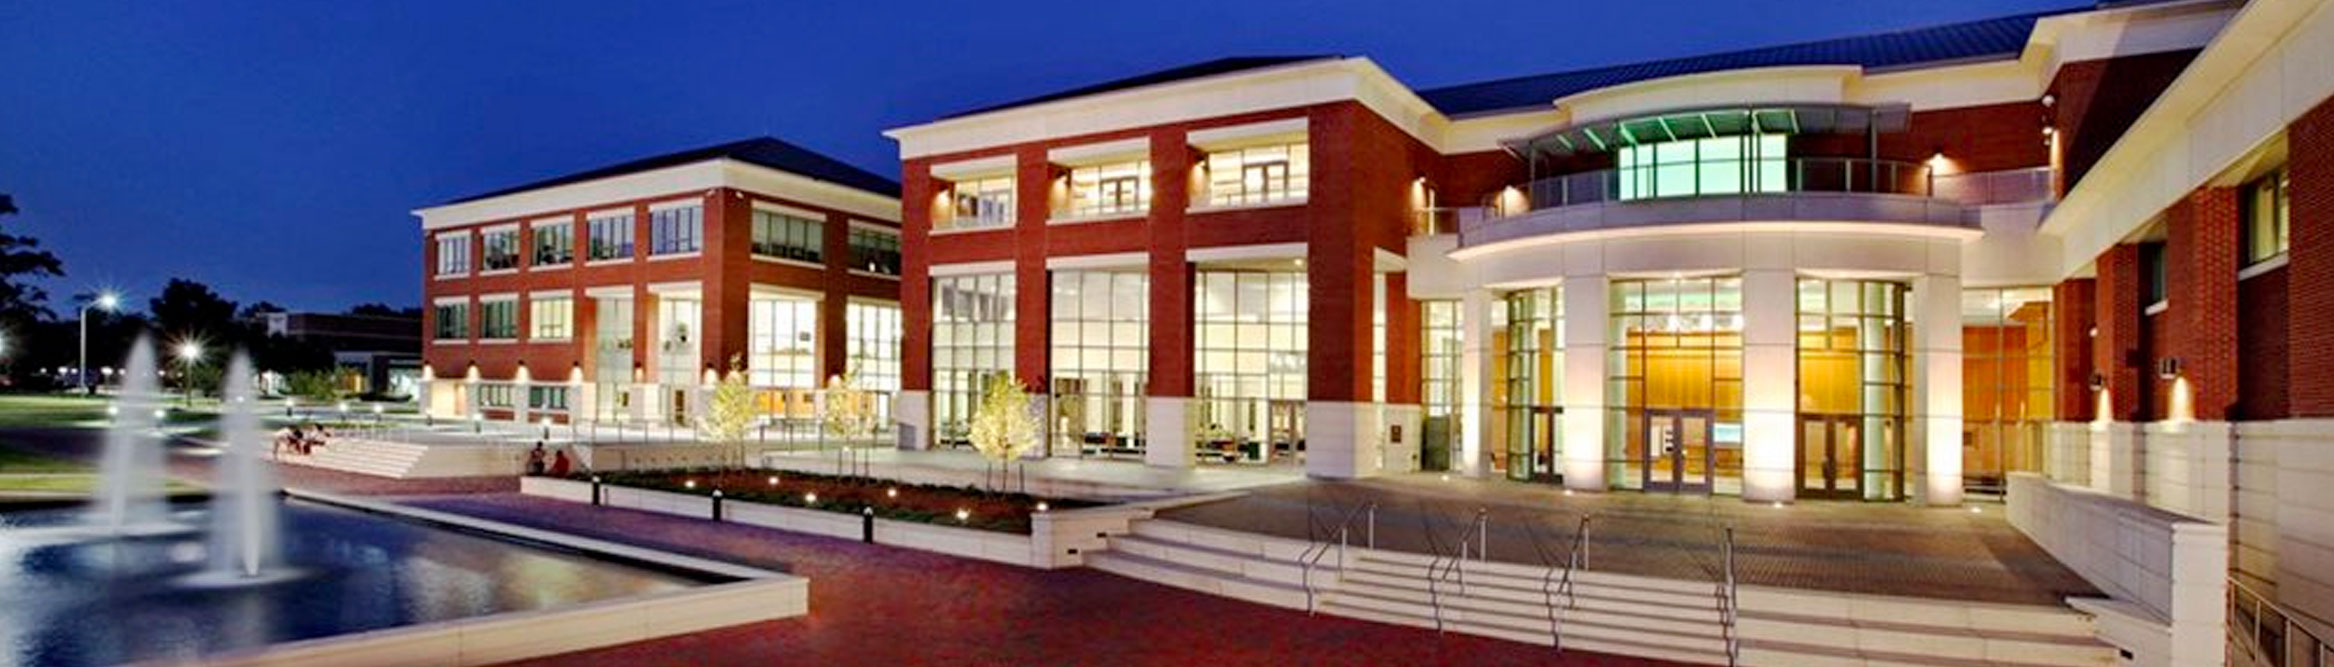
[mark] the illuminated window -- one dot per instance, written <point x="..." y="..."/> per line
<point x="675" y="230"/>
<point x="1108" y="189"/>
<point x="875" y="251"/>
<point x="2265" y="210"/>
<point x="1258" y="174"/>
<point x="550" y="318"/>
<point x="453" y="253"/>
<point x="972" y="339"/>
<point x="782" y="343"/>
<point x="1441" y="344"/>
<point x="547" y="398"/>
<point x="788" y="236"/>
<point x="554" y="244"/>
<point x="498" y="319"/>
<point x="1249" y="361"/>
<point x="2007" y="382"/>
<point x="500" y="249"/>
<point x="453" y="321"/>
<point x="982" y="203"/>
<point x="874" y="340"/>
<point x="1101" y="336"/>
<point x="1713" y="166"/>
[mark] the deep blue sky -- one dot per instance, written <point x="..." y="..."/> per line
<point x="274" y="150"/>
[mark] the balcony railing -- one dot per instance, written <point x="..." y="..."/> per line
<point x="2008" y="186"/>
<point x="1715" y="178"/>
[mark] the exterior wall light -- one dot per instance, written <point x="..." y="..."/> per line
<point x="2168" y="368"/>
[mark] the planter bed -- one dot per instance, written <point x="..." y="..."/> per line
<point x="915" y="503"/>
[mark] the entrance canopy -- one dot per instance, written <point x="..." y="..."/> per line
<point x="1698" y="123"/>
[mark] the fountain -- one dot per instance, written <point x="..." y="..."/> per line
<point x="244" y="508"/>
<point x="129" y="491"/>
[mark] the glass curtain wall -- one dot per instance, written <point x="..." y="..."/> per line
<point x="1101" y="345"/>
<point x="972" y="339"/>
<point x="1853" y="338"/>
<point x="1530" y="389"/>
<point x="612" y="357"/>
<point x="872" y="350"/>
<point x="1250" y="366"/>
<point x="1442" y="346"/>
<point x="782" y="358"/>
<point x="678" y="352"/>
<point x="2006" y="383"/>
<point x="1674" y="381"/>
<point x="1695" y="167"/>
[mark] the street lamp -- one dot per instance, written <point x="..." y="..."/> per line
<point x="190" y="352"/>
<point x="106" y="301"/>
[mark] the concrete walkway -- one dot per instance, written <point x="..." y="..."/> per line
<point x="1872" y="548"/>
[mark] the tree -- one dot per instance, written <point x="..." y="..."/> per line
<point x="189" y="308"/>
<point x="849" y="413"/>
<point x="729" y="414"/>
<point x="1004" y="426"/>
<point x="384" y="310"/>
<point x="21" y="260"/>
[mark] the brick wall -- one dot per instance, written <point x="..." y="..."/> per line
<point x="2116" y="352"/>
<point x="2261" y="347"/>
<point x="2098" y="99"/>
<point x="2310" y="268"/>
<point x="2201" y="251"/>
<point x="2074" y="303"/>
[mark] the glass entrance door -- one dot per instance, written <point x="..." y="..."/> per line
<point x="1677" y="451"/>
<point x="1287" y="421"/>
<point x="1829" y="465"/>
<point x="1532" y="453"/>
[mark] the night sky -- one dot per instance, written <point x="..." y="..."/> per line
<point x="274" y="150"/>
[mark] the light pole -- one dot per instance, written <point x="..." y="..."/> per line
<point x="106" y="301"/>
<point x="190" y="353"/>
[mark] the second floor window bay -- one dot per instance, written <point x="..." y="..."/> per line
<point x="1110" y="189"/>
<point x="1258" y="174"/>
<point x="981" y="203"/>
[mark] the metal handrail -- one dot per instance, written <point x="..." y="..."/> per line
<point x="1556" y="579"/>
<point x="1732" y="607"/>
<point x="2273" y="644"/>
<point x="1477" y="531"/>
<point x="1749" y="177"/>
<point x="1311" y="556"/>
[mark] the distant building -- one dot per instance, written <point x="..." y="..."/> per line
<point x="384" y="351"/>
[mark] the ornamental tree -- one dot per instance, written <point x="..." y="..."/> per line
<point x="730" y="413"/>
<point x="849" y="412"/>
<point x="1005" y="426"/>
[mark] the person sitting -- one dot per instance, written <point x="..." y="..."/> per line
<point x="289" y="439"/>
<point x="535" y="459"/>
<point x="559" y="462"/>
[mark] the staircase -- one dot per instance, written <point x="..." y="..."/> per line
<point x="400" y="460"/>
<point x="1602" y="612"/>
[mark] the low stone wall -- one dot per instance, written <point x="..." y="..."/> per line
<point x="1056" y="539"/>
<point x="662" y="456"/>
<point x="758" y="595"/>
<point x="2167" y="573"/>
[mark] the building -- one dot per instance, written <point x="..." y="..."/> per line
<point x="620" y="294"/>
<point x="382" y="353"/>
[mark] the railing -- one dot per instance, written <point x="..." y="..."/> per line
<point x="2008" y="186"/>
<point x="1447" y="220"/>
<point x="1711" y="178"/>
<point x="1556" y="579"/>
<point x="2266" y="634"/>
<point x="1731" y="603"/>
<point x="1477" y="533"/>
<point x="1319" y="546"/>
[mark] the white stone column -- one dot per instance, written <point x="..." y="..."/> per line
<point x="1936" y="441"/>
<point x="1770" y="385"/>
<point x="1586" y="318"/>
<point x="911" y="414"/>
<point x="1474" y="384"/>
<point x="1341" y="439"/>
<point x="1167" y="431"/>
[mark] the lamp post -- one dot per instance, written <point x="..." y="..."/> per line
<point x="190" y="353"/>
<point x="106" y="301"/>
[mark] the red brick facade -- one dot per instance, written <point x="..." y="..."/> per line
<point x="2096" y="100"/>
<point x="2310" y="271"/>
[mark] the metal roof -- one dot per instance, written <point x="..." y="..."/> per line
<point x="1972" y="41"/>
<point x="765" y="151"/>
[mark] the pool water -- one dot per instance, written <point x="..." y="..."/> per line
<point x="76" y="601"/>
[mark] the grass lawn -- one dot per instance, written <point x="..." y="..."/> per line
<point x="37" y="410"/>
<point x="34" y="474"/>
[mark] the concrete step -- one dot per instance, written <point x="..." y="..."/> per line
<point x="1502" y="583"/>
<point x="1536" y="615"/>
<point x="1603" y="600"/>
<point x="1219" y="560"/>
<point x="1198" y="579"/>
<point x="1614" y="643"/>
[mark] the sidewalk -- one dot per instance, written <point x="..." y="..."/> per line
<point x="1871" y="548"/>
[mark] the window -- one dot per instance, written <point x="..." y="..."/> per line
<point x="1249" y="359"/>
<point x="788" y="236"/>
<point x="874" y="345"/>
<point x="2152" y="270"/>
<point x="972" y="339"/>
<point x="453" y="321"/>
<point x="2007" y="382"/>
<point x="782" y="343"/>
<point x="496" y="395"/>
<point x="1101" y="347"/>
<point x="554" y="244"/>
<point x="453" y="253"/>
<point x="2265" y="208"/>
<point x="875" y="251"/>
<point x="1110" y="189"/>
<point x="1257" y="175"/>
<point x="500" y="251"/>
<point x="1442" y="346"/>
<point x="1713" y="166"/>
<point x="982" y="203"/>
<point x="674" y="231"/>
<point x="552" y="398"/>
<point x="611" y="236"/>
<point x="551" y="318"/>
<point x="499" y="319"/>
